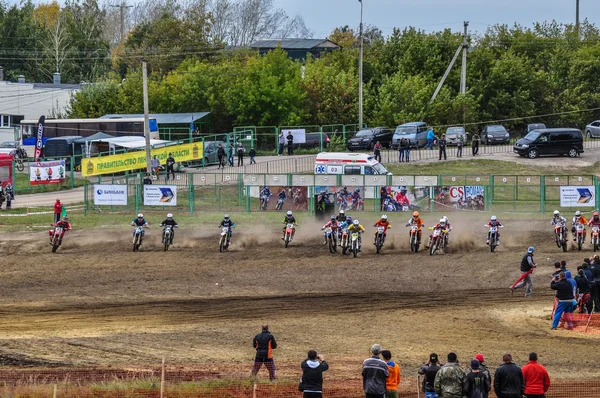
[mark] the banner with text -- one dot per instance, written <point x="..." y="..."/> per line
<point x="137" y="160"/>
<point x="157" y="195"/>
<point x="573" y="196"/>
<point x="49" y="172"/>
<point x="112" y="195"/>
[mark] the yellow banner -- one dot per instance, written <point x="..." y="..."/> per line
<point x="137" y="160"/>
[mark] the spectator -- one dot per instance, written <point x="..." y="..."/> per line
<point x="482" y="367"/>
<point x="171" y="166"/>
<point x="407" y="146"/>
<point x="281" y="144"/>
<point x="563" y="266"/>
<point x="147" y="179"/>
<point x="393" y="381"/>
<point x="312" y="374"/>
<point x="2" y="195"/>
<point x="564" y="294"/>
<point x="240" y="154"/>
<point x="230" y="154"/>
<point x="442" y="147"/>
<point x="475" y="144"/>
<point x="265" y="343"/>
<point x="57" y="210"/>
<point x="527" y="267"/>
<point x="459" y="146"/>
<point x="377" y="151"/>
<point x="10" y="195"/>
<point x="555" y="274"/>
<point x="374" y="373"/>
<point x="477" y="384"/>
<point x="401" y="150"/>
<point x="155" y="165"/>
<point x="430" y="138"/>
<point x="583" y="292"/>
<point x="252" y="155"/>
<point x="221" y="156"/>
<point x="537" y="380"/>
<point x="508" y="379"/>
<point x="429" y="371"/>
<point x="595" y="282"/>
<point x="196" y="132"/>
<point x="450" y="379"/>
<point x="290" y="143"/>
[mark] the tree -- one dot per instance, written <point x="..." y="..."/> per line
<point x="55" y="43"/>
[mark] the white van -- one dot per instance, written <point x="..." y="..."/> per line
<point x="348" y="164"/>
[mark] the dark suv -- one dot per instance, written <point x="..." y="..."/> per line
<point x="557" y="141"/>
<point x="367" y="138"/>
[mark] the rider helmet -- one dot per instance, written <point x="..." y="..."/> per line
<point x="65" y="218"/>
<point x="226" y="217"/>
<point x="266" y="187"/>
<point x="355" y="222"/>
<point x="357" y="190"/>
<point x="530" y="249"/>
<point x="595" y="214"/>
<point x="140" y="215"/>
<point x="384" y="217"/>
<point x="442" y="222"/>
<point x="403" y="190"/>
<point x="348" y="219"/>
<point x="289" y="213"/>
<point x="170" y="215"/>
<point x="416" y="214"/>
<point x="445" y="218"/>
<point x="556" y="213"/>
<point x="577" y="213"/>
<point x="494" y="218"/>
<point x="333" y="217"/>
<point x="342" y="212"/>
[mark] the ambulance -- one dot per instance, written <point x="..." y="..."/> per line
<point x="348" y="164"/>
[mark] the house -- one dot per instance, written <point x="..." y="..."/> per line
<point x="296" y="48"/>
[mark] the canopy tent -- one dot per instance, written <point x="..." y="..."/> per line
<point x="6" y="165"/>
<point x="113" y="144"/>
<point x="86" y="143"/>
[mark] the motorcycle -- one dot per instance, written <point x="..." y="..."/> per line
<point x="358" y="204"/>
<point x="18" y="159"/>
<point x="279" y="204"/>
<point x="355" y="243"/>
<point x="560" y="236"/>
<point x="379" y="239"/>
<point x="224" y="239"/>
<point x="579" y="235"/>
<point x="264" y="201"/>
<point x="438" y="240"/>
<point x="595" y="238"/>
<point x="289" y="234"/>
<point x="493" y="237"/>
<point x="345" y="240"/>
<point x="57" y="238"/>
<point x="330" y="236"/>
<point x="167" y="237"/>
<point x="414" y="238"/>
<point x="137" y="237"/>
<point x="342" y="200"/>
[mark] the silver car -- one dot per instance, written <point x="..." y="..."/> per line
<point x="592" y="130"/>
<point x="453" y="134"/>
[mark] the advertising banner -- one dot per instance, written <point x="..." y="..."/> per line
<point x="577" y="196"/>
<point x="112" y="195"/>
<point x="137" y="160"/>
<point x="49" y="172"/>
<point x="157" y="195"/>
<point x="298" y="134"/>
<point x="470" y="197"/>
<point x="39" y="141"/>
<point x="287" y="198"/>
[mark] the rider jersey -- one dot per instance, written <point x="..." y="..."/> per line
<point x="64" y="224"/>
<point x="281" y="195"/>
<point x="354" y="228"/>
<point x="139" y="223"/>
<point x="227" y="223"/>
<point x="402" y="199"/>
<point x="333" y="224"/>
<point x="385" y="224"/>
<point x="580" y="220"/>
<point x="594" y="222"/>
<point x="560" y="220"/>
<point x="265" y="192"/>
<point x="494" y="223"/>
<point x="355" y="196"/>
<point x="439" y="226"/>
<point x="289" y="220"/>
<point x="418" y="222"/>
<point x="341" y="218"/>
<point x="169" y="222"/>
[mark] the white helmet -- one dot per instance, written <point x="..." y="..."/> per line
<point x="445" y="218"/>
<point x="577" y="213"/>
<point x="170" y="215"/>
<point x="140" y="215"/>
<point x="384" y="217"/>
<point x="494" y="218"/>
<point x="342" y="212"/>
<point x="556" y="213"/>
<point x="355" y="222"/>
<point x="226" y="216"/>
<point x="289" y="213"/>
<point x="442" y="222"/>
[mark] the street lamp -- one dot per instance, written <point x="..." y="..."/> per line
<point x="360" y="71"/>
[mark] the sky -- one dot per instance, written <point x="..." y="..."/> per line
<point x="322" y="16"/>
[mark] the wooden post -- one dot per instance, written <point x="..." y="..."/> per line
<point x="55" y="391"/>
<point x="254" y="390"/>
<point x="418" y="386"/>
<point x="162" y="379"/>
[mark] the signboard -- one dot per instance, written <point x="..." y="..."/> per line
<point x="137" y="160"/>
<point x="577" y="196"/>
<point x="39" y="138"/>
<point x="160" y="195"/>
<point x="337" y="169"/>
<point x="48" y="172"/>
<point x="113" y="195"/>
<point x="298" y="134"/>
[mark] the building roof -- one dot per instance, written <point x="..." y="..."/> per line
<point x="34" y="99"/>
<point x="294" y="44"/>
<point x="163" y="118"/>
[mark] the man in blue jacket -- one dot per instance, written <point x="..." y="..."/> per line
<point x="430" y="138"/>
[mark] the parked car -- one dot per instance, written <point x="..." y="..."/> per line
<point x="210" y="154"/>
<point x="13" y="148"/>
<point x="312" y="141"/>
<point x="367" y="138"/>
<point x="557" y="141"/>
<point x="453" y="134"/>
<point x="592" y="130"/>
<point x="533" y="126"/>
<point x="495" y="134"/>
<point x="416" y="132"/>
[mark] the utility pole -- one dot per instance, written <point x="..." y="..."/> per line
<point x="463" y="71"/>
<point x="360" y="71"/>
<point x="577" y="18"/>
<point x="122" y="8"/>
<point x="146" y="117"/>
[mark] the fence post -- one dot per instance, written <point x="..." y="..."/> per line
<point x="72" y="168"/>
<point x="191" y="196"/>
<point x="491" y="189"/>
<point x="85" y="198"/>
<point x="543" y="194"/>
<point x="137" y="201"/>
<point x="597" y="188"/>
<point x="162" y="378"/>
<point x="247" y="199"/>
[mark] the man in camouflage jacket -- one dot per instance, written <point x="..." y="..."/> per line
<point x="450" y="379"/>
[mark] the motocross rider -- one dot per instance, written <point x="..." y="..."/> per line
<point x="557" y="219"/>
<point x="416" y="220"/>
<point x="356" y="227"/>
<point x="64" y="223"/>
<point x="383" y="222"/>
<point x="341" y="216"/>
<point x="595" y="220"/>
<point x="449" y="228"/>
<point x="140" y="222"/>
<point x="401" y="197"/>
<point x="440" y="226"/>
<point x="494" y="223"/>
<point x="282" y="195"/>
<point x="266" y="192"/>
<point x="168" y="221"/>
<point x="579" y="219"/>
<point x="355" y="198"/>
<point x="333" y="223"/>
<point x="229" y="224"/>
<point x="289" y="219"/>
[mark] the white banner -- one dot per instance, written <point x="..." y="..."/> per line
<point x="577" y="196"/>
<point x="47" y="172"/>
<point x="113" y="195"/>
<point x="156" y="195"/>
<point x="298" y="134"/>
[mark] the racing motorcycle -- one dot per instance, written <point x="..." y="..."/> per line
<point x="355" y="243"/>
<point x="414" y="238"/>
<point x="379" y="239"/>
<point x="289" y="234"/>
<point x="438" y="240"/>
<point x="560" y="236"/>
<point x="279" y="204"/>
<point x="224" y="239"/>
<point x="137" y="237"/>
<point x="57" y="238"/>
<point x="264" y="201"/>
<point x="595" y="238"/>
<point x="167" y="237"/>
<point x="579" y="235"/>
<point x="330" y="236"/>
<point x="345" y="240"/>
<point x="493" y="237"/>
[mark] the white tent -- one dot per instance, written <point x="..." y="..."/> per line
<point x="116" y="143"/>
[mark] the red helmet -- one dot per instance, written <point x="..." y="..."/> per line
<point x="595" y="214"/>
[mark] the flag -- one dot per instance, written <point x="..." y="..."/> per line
<point x="192" y="123"/>
<point x="39" y="143"/>
<point x="63" y="213"/>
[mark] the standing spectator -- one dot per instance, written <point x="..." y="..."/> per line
<point x="312" y="374"/>
<point x="377" y="151"/>
<point x="374" y="373"/>
<point x="2" y="195"/>
<point x="155" y="165"/>
<point x="230" y="154"/>
<point x="459" y="146"/>
<point x="171" y="166"/>
<point x="564" y="294"/>
<point x="475" y="144"/>
<point x="583" y="292"/>
<point x="537" y="380"/>
<point x="477" y="384"/>
<point x="290" y="143"/>
<point x="10" y="195"/>
<point x="196" y="132"/>
<point x="450" y="379"/>
<point x="429" y="371"/>
<point x="595" y="282"/>
<point x="527" y="267"/>
<point x="147" y="179"/>
<point x="508" y="379"/>
<point x="221" y="156"/>
<point x="442" y="146"/>
<point x="430" y="138"/>
<point x="281" y="144"/>
<point x="482" y="367"/>
<point x="252" y="155"/>
<point x="240" y="154"/>
<point x="555" y="274"/>
<point x="407" y="147"/>
<point x="265" y="343"/>
<point x="57" y="210"/>
<point x="393" y="381"/>
<point x="401" y="150"/>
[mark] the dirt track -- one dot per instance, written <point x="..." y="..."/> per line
<point x="97" y="303"/>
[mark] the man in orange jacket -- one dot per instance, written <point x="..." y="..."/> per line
<point x="537" y="380"/>
<point x="393" y="380"/>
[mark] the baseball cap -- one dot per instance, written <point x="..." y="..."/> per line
<point x="480" y="358"/>
<point x="433" y="357"/>
<point x="474" y="364"/>
<point x="376" y="349"/>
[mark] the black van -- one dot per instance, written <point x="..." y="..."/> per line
<point x="557" y="141"/>
<point x="63" y="147"/>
